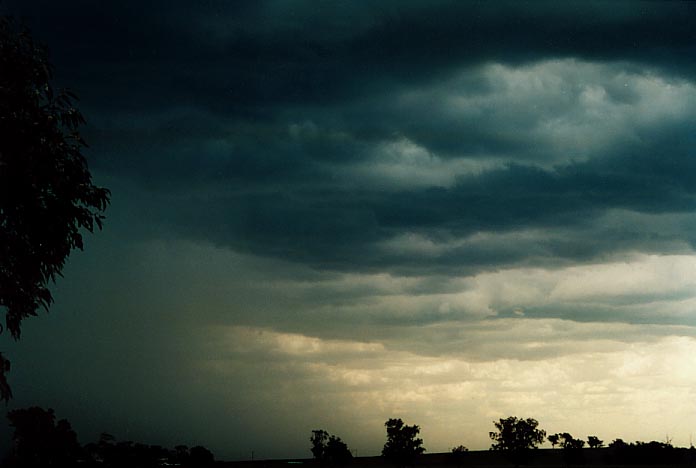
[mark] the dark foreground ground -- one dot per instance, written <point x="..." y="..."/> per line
<point x="604" y="457"/>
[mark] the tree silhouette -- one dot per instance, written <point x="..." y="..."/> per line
<point x="46" y="191"/>
<point x="645" y="453"/>
<point x="319" y="439"/>
<point x="337" y="452"/>
<point x="39" y="441"/>
<point x="617" y="443"/>
<point x="569" y="442"/>
<point x="200" y="456"/>
<point x="516" y="437"/>
<point x="458" y="454"/>
<point x="553" y="438"/>
<point x="594" y="442"/>
<point x="402" y="445"/>
<point x="572" y="449"/>
<point x="331" y="450"/>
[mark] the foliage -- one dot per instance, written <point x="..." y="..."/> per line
<point x="329" y="449"/>
<point x="39" y="441"/>
<point x="319" y="439"/>
<point x="337" y="452"/>
<point x="200" y="456"/>
<point x="402" y="445"/>
<point x="617" y="443"/>
<point x="516" y="437"/>
<point x="594" y="442"/>
<point x="644" y="453"/>
<point x="572" y="448"/>
<point x="569" y="442"/>
<point x="46" y="191"/>
<point x="459" y="454"/>
<point x="554" y="438"/>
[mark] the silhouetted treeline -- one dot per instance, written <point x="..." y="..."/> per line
<point x="622" y="453"/>
<point x="40" y="441"/>
<point x="648" y="453"/>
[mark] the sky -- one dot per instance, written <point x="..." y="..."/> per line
<point x="328" y="214"/>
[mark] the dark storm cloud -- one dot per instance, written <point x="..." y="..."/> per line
<point x="342" y="229"/>
<point x="232" y="54"/>
<point x="244" y="122"/>
<point x="275" y="209"/>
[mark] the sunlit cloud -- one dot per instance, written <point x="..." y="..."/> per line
<point x="450" y="396"/>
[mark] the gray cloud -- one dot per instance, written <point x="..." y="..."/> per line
<point x="311" y="186"/>
<point x="315" y="147"/>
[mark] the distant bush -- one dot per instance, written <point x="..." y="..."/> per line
<point x="458" y="454"/>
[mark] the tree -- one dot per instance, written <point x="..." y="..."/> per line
<point x="200" y="456"/>
<point x="594" y="442"/>
<point x="402" y="445"/>
<point x="617" y="443"/>
<point x="181" y="454"/>
<point x="39" y="441"/>
<point x="46" y="193"/>
<point x="459" y="455"/>
<point x="319" y="439"/>
<point x="337" y="452"/>
<point x="572" y="449"/>
<point x="329" y="448"/>
<point x="517" y="437"/>
<point x="569" y="442"/>
<point x="553" y="438"/>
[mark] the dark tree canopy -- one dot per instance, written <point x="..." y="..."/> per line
<point x="617" y="443"/>
<point x="572" y="449"/>
<point x="458" y="454"/>
<point x="201" y="456"/>
<point x="330" y="449"/>
<point x="318" y="440"/>
<point x="402" y="444"/>
<point x="337" y="452"/>
<point x="46" y="192"/>
<point x="570" y="442"/>
<point x="648" y="453"/>
<point x="516" y="437"/>
<point x="554" y="439"/>
<point x="39" y="441"/>
<point x="594" y="441"/>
